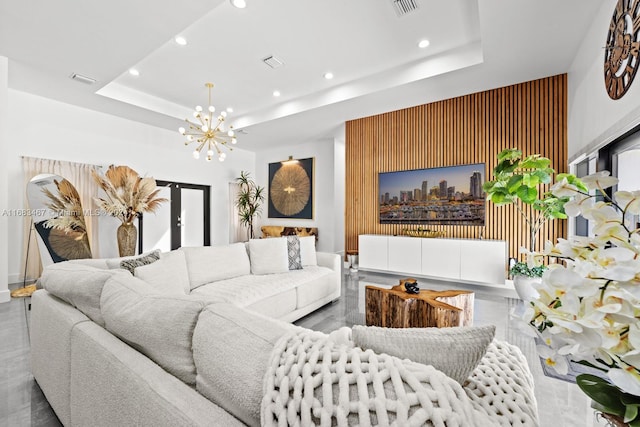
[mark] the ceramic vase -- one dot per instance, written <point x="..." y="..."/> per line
<point x="524" y="287"/>
<point x="127" y="238"/>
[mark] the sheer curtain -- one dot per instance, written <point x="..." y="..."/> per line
<point x="78" y="174"/>
<point x="237" y="233"/>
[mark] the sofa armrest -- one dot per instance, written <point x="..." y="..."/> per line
<point x="329" y="260"/>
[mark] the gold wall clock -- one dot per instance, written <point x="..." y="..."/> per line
<point x="291" y="189"/>
<point x="621" y="50"/>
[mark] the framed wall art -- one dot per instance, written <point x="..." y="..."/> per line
<point x="291" y="189"/>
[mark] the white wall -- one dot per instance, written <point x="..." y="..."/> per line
<point x="41" y="127"/>
<point x="4" y="200"/>
<point x="328" y="201"/>
<point x="594" y="118"/>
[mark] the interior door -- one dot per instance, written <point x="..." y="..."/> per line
<point x="184" y="221"/>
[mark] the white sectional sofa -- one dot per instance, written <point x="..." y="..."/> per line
<point x="195" y="339"/>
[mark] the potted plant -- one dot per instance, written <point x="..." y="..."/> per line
<point x="517" y="181"/>
<point x="587" y="304"/>
<point x="127" y="196"/>
<point x="249" y="200"/>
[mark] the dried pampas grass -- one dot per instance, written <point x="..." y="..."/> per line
<point x="128" y="195"/>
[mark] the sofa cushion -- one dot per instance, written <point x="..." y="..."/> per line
<point x="269" y="256"/>
<point x="167" y="275"/>
<point x="79" y="285"/>
<point x="250" y="289"/>
<point x="276" y="306"/>
<point x="317" y="289"/>
<point x="454" y="351"/>
<point x="157" y="325"/>
<point x="231" y="350"/>
<point x="308" y="251"/>
<point x="208" y="264"/>
<point x="293" y="250"/>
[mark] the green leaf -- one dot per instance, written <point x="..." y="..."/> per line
<point x="600" y="391"/>
<point x="488" y="186"/>
<point x="534" y="162"/>
<point x="514" y="183"/>
<point x="498" y="198"/>
<point x="530" y="180"/>
<point x="527" y="195"/>
<point x="630" y="413"/>
<point x="543" y="176"/>
<point x="509" y="154"/>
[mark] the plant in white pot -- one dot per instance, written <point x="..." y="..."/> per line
<point x="518" y="180"/>
<point x="588" y="303"/>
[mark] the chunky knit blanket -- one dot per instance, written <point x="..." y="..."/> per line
<point x="311" y="380"/>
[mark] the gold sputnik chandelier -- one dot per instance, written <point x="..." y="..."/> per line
<point x="208" y="131"/>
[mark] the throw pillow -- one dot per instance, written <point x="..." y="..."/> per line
<point x="168" y="275"/>
<point x="293" y="246"/>
<point x="114" y="263"/>
<point x="268" y="256"/>
<point x="308" y="251"/>
<point x="131" y="264"/>
<point x="454" y="351"/>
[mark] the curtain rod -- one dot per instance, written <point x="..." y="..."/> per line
<point x="54" y="160"/>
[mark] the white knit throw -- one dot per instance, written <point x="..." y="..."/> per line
<point x="313" y="381"/>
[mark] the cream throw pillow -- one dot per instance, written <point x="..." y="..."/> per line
<point x="168" y="275"/>
<point x="269" y="256"/>
<point x="454" y="351"/>
<point x="308" y="251"/>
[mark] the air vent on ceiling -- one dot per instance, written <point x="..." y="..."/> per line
<point x="273" y="62"/>
<point x="403" y="7"/>
<point x="83" y="79"/>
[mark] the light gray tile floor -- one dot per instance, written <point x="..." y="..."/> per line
<point x="560" y="403"/>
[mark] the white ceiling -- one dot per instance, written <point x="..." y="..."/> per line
<point x="475" y="45"/>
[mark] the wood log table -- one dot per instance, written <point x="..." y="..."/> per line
<point x="395" y="308"/>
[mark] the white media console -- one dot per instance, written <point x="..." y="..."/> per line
<point x="461" y="260"/>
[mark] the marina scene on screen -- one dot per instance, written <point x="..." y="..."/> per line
<point x="450" y="195"/>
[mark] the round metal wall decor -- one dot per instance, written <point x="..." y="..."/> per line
<point x="290" y="189"/>
<point x="621" y="49"/>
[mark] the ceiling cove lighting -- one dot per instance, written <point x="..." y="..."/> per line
<point x="240" y="4"/>
<point x="208" y="131"/>
<point x="423" y="43"/>
<point x="181" y="40"/>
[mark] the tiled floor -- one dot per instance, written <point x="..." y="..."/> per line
<point x="560" y="403"/>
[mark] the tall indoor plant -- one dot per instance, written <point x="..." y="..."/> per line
<point x="127" y="196"/>
<point x="517" y="180"/>
<point x="249" y="200"/>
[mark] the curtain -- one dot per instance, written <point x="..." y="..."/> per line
<point x="78" y="174"/>
<point x="237" y="233"/>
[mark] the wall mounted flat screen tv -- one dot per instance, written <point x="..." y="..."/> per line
<point x="449" y="195"/>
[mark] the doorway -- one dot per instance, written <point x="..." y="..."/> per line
<point x="184" y="221"/>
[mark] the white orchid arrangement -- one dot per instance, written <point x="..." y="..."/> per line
<point x="588" y="303"/>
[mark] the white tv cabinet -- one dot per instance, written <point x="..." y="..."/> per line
<point x="460" y="260"/>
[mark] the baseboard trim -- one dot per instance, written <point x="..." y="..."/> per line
<point x="5" y="296"/>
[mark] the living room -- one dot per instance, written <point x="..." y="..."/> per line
<point x="508" y="74"/>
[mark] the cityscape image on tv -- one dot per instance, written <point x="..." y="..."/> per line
<point x="450" y="195"/>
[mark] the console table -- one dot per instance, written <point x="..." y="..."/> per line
<point x="458" y="260"/>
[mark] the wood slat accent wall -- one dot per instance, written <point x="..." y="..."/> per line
<point x="474" y="128"/>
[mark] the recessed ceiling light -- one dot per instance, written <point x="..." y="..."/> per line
<point x="181" y="40"/>
<point x="229" y="110"/>
<point x="240" y="4"/>
<point x="423" y="43"/>
<point x="134" y="72"/>
<point x="328" y="75"/>
<point x="276" y="93"/>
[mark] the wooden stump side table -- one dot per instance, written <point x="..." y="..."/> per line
<point x="395" y="308"/>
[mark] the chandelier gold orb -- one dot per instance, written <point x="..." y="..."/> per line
<point x="208" y="131"/>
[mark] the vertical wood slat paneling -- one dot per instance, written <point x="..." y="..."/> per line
<point x="474" y="128"/>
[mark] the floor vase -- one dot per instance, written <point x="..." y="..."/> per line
<point x="127" y="237"/>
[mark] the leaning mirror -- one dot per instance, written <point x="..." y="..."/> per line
<point x="58" y="219"/>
